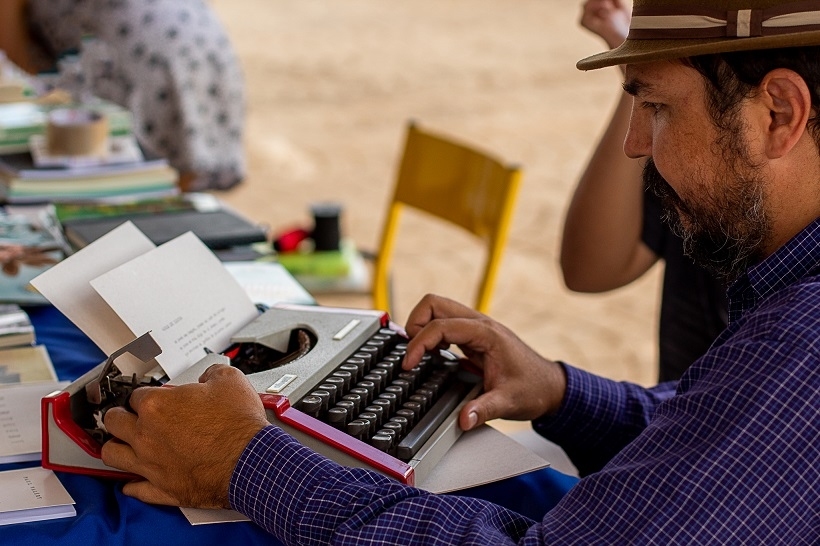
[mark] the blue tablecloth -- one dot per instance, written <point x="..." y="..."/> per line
<point x="106" y="516"/>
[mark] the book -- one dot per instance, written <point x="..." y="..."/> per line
<point x="324" y="263"/>
<point x="30" y="243"/>
<point x="20" y="428"/>
<point x="33" y="494"/>
<point x="221" y="228"/>
<point x="15" y="327"/>
<point x="26" y="364"/>
<point x="107" y="209"/>
<point x="22" y="182"/>
<point x="325" y="272"/>
<point x="23" y="166"/>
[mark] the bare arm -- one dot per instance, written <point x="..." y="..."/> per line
<point x="14" y="37"/>
<point x="602" y="247"/>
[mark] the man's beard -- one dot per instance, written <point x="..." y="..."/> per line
<point x="726" y="229"/>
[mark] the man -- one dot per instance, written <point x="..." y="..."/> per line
<point x="728" y="455"/>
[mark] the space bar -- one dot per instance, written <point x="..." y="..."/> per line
<point x="434" y="417"/>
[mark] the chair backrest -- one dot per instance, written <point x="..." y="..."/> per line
<point x="456" y="183"/>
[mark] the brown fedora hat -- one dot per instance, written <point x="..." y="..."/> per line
<point x="672" y="29"/>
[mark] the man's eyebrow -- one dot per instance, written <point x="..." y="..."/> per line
<point x="636" y="87"/>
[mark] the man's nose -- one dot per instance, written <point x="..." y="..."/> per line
<point x="638" y="140"/>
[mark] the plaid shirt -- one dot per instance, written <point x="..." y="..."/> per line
<point x="729" y="455"/>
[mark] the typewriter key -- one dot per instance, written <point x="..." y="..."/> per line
<point x="346" y="376"/>
<point x="312" y="405"/>
<point x="332" y="390"/>
<point x="372" y="419"/>
<point x="358" y="428"/>
<point x="378" y="411"/>
<point x="363" y="393"/>
<point x="394" y="426"/>
<point x="378" y="379"/>
<point x="408" y="414"/>
<point x="355" y="399"/>
<point x="337" y="417"/>
<point x="383" y="404"/>
<point x="382" y="442"/>
<point x="391" y="398"/>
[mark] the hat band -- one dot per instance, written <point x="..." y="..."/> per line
<point x="661" y="23"/>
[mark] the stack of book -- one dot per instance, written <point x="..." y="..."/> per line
<point x="29" y="174"/>
<point x="15" y="330"/>
<point x="22" y="182"/>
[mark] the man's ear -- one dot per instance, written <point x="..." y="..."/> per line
<point x="786" y="96"/>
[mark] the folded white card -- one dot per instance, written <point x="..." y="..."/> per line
<point x="33" y="494"/>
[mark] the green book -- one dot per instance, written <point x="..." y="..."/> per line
<point x="327" y="263"/>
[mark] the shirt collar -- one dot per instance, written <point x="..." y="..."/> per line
<point x="787" y="265"/>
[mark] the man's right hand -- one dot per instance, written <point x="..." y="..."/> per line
<point x="185" y="441"/>
<point x="518" y="383"/>
<point x="609" y="19"/>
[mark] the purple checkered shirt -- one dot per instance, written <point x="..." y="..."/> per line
<point x="729" y="455"/>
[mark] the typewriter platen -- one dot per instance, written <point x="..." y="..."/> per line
<point x="330" y="377"/>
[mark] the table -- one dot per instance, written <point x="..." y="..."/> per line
<point x="106" y="516"/>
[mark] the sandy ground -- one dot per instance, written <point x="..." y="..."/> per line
<point x="330" y="87"/>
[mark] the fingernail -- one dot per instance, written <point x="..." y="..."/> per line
<point x="472" y="419"/>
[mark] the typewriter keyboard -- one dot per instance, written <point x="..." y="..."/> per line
<point x="371" y="398"/>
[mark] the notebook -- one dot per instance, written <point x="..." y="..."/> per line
<point x="216" y="228"/>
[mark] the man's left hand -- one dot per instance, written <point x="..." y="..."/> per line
<point x="185" y="441"/>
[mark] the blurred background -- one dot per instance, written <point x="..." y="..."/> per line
<point x="330" y="88"/>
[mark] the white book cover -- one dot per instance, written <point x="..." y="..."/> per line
<point x="33" y="494"/>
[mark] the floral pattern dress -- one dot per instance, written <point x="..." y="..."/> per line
<point x="169" y="62"/>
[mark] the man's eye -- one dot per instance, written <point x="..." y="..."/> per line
<point x="652" y="106"/>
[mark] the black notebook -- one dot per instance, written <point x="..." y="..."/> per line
<point x="217" y="229"/>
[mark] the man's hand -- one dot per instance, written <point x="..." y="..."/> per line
<point x="518" y="383"/>
<point x="609" y="19"/>
<point x="185" y="441"/>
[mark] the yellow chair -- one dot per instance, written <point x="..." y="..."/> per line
<point x="456" y="183"/>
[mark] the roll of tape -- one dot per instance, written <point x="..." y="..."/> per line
<point x="73" y="131"/>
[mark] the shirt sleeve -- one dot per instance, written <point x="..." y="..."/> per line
<point x="302" y="497"/>
<point x="599" y="417"/>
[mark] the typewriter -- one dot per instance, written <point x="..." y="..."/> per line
<point x="330" y="377"/>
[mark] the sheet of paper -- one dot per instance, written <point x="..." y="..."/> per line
<point x="201" y="516"/>
<point x="67" y="286"/>
<point x="268" y="283"/>
<point x="481" y="456"/>
<point x="183" y="295"/>
<point x="20" y="430"/>
<point x="33" y="494"/>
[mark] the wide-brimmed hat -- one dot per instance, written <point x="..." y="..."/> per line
<point x="672" y="29"/>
